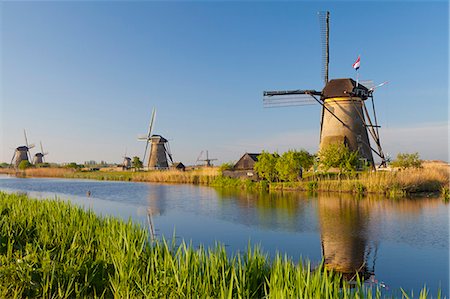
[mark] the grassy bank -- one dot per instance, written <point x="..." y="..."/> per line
<point x="429" y="179"/>
<point x="52" y="249"/>
<point x="432" y="178"/>
<point x="203" y="176"/>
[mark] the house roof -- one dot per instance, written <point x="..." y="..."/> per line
<point x="178" y="165"/>
<point x="253" y="156"/>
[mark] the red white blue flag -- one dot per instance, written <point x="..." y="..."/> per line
<point x="357" y="63"/>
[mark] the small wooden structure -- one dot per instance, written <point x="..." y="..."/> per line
<point x="178" y="166"/>
<point x="244" y="167"/>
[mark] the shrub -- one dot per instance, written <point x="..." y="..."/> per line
<point x="24" y="164"/>
<point x="265" y="167"/>
<point x="338" y="155"/>
<point x="290" y="165"/>
<point x="405" y="160"/>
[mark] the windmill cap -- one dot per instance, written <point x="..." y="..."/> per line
<point x="22" y="148"/>
<point x="344" y="88"/>
<point x="39" y="155"/>
<point x="158" y="138"/>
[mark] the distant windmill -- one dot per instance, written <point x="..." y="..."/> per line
<point x="126" y="164"/>
<point x="22" y="152"/>
<point x="159" y="150"/>
<point x="345" y="117"/>
<point x="39" y="157"/>
<point x="207" y="160"/>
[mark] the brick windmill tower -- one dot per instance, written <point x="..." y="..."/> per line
<point x="22" y="153"/>
<point x="159" y="151"/>
<point x="345" y="117"/>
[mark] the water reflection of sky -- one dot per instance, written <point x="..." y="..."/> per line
<point x="410" y="235"/>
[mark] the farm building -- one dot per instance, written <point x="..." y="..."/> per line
<point x="244" y="168"/>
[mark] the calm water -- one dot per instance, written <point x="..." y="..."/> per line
<point x="397" y="243"/>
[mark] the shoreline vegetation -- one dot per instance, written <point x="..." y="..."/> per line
<point x="51" y="248"/>
<point x="430" y="178"/>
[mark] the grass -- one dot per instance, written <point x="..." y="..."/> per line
<point x="52" y="249"/>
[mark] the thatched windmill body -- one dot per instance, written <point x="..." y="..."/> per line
<point x="22" y="153"/>
<point x="39" y="157"/>
<point x="345" y="117"/>
<point x="160" y="153"/>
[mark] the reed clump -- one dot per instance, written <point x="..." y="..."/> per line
<point x="51" y="249"/>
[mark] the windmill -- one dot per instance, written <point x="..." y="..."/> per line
<point x="207" y="160"/>
<point x="22" y="152"/>
<point x="126" y="164"/>
<point x="159" y="150"/>
<point x="39" y="157"/>
<point x="345" y="117"/>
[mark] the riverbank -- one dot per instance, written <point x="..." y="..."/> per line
<point x="51" y="248"/>
<point x="431" y="178"/>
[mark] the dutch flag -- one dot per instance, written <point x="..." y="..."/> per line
<point x="357" y="63"/>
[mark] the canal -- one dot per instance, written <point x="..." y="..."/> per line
<point x="393" y="243"/>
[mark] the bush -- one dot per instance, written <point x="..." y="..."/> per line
<point x="24" y="164"/>
<point x="405" y="160"/>
<point x="338" y="155"/>
<point x="137" y="163"/>
<point x="226" y="166"/>
<point x="290" y="165"/>
<point x="73" y="165"/>
<point x="265" y="167"/>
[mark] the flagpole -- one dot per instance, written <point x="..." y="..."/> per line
<point x="357" y="77"/>
<point x="357" y="73"/>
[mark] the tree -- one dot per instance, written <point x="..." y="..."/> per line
<point x="73" y="165"/>
<point x="338" y="155"/>
<point x="292" y="163"/>
<point x="265" y="167"/>
<point x="24" y="164"/>
<point x="137" y="163"/>
<point x="405" y="160"/>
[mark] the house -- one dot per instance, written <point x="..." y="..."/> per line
<point x="244" y="167"/>
<point x="178" y="166"/>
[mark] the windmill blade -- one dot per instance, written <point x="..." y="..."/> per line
<point x="367" y="83"/>
<point x="379" y="85"/>
<point x="324" y="22"/>
<point x="198" y="158"/>
<point x="169" y="154"/>
<point x="288" y="100"/>
<point x="26" y="140"/>
<point x="272" y="99"/>
<point x="149" y="135"/>
<point x="151" y="123"/>
<point x="145" y="152"/>
<point x="42" y="149"/>
<point x="14" y="155"/>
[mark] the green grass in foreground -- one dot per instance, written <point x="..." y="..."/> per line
<point x="53" y="249"/>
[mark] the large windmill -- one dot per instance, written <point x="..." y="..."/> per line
<point x="345" y="117"/>
<point x="39" y="157"/>
<point x="159" y="149"/>
<point x="22" y="153"/>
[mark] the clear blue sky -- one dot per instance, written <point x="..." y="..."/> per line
<point x="82" y="77"/>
